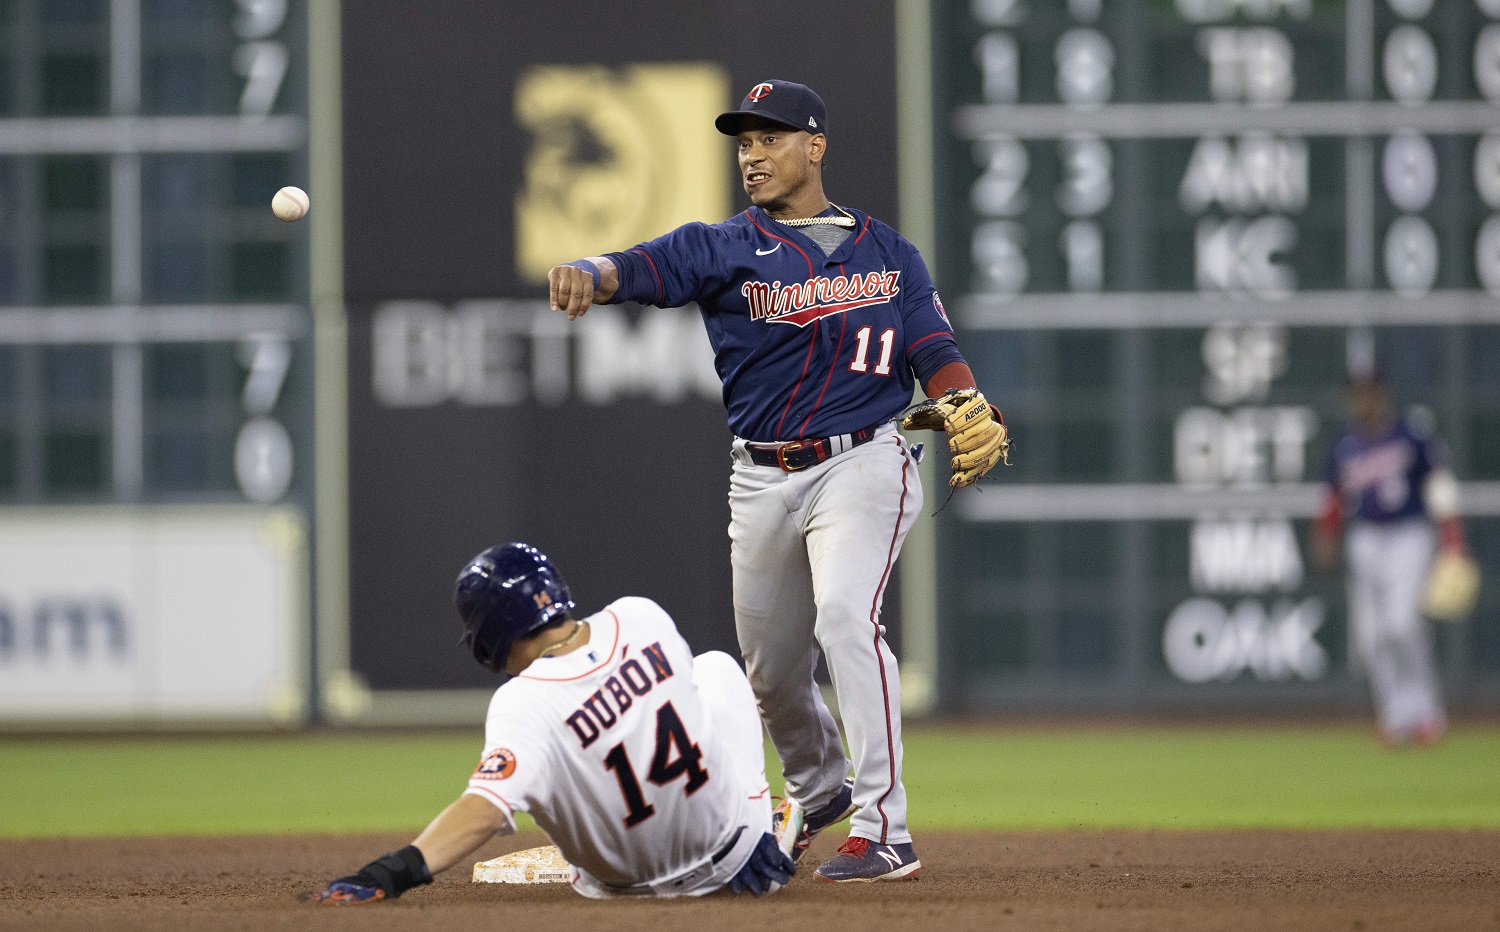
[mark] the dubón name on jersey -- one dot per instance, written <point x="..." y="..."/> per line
<point x="602" y="710"/>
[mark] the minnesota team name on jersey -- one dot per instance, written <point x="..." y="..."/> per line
<point x="801" y="303"/>
<point x="1376" y="466"/>
<point x="603" y="709"/>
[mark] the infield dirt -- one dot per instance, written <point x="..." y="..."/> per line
<point x="1104" y="880"/>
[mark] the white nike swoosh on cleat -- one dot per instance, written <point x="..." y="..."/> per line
<point x="767" y="252"/>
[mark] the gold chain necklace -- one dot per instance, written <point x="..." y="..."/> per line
<point x="847" y="220"/>
<point x="579" y="627"/>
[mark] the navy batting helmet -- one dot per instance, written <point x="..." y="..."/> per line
<point x="504" y="594"/>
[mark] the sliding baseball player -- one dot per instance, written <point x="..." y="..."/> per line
<point x="644" y="764"/>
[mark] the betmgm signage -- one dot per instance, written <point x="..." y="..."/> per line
<point x="617" y="156"/>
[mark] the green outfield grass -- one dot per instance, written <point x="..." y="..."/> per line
<point x="967" y="777"/>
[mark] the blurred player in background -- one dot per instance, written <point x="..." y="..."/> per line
<point x="1391" y="479"/>
<point x="821" y="319"/>
<point x="644" y="764"/>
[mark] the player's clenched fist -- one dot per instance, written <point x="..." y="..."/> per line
<point x="575" y="285"/>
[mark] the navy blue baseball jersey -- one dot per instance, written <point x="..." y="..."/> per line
<point x="807" y="344"/>
<point x="1381" y="476"/>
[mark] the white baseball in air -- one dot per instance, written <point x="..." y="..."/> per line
<point x="290" y="203"/>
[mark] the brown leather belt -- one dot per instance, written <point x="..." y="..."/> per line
<point x="800" y="454"/>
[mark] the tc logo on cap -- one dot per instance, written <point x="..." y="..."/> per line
<point x="759" y="91"/>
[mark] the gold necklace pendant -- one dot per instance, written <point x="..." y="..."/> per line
<point x="579" y="627"/>
<point x="847" y="220"/>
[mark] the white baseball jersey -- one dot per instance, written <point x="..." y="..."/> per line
<point x="645" y="782"/>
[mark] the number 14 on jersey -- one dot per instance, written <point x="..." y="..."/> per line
<point x="670" y="735"/>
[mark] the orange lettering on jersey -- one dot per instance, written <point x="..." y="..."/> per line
<point x="635" y="677"/>
<point x="497" y="765"/>
<point x="584" y="727"/>
<point x="658" y="660"/>
<point x="600" y="709"/>
<point x="608" y="705"/>
<point x="617" y="689"/>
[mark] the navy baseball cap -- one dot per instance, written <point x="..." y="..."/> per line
<point x="784" y="102"/>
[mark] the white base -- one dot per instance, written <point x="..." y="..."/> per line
<point x="532" y="866"/>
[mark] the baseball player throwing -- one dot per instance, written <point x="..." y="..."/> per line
<point x="644" y="764"/>
<point x="820" y="317"/>
<point x="1394" y="482"/>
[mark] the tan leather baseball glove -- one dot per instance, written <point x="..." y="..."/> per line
<point x="1452" y="587"/>
<point x="977" y="437"/>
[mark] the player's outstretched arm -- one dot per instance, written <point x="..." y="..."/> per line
<point x="457" y="832"/>
<point x="576" y="285"/>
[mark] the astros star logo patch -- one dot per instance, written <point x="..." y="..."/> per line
<point x="497" y="765"/>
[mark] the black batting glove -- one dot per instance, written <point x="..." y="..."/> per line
<point x="386" y="877"/>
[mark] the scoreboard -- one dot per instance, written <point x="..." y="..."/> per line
<point x="153" y="313"/>
<point x="1168" y="230"/>
<point x="155" y="361"/>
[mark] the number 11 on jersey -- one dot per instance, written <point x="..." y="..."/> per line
<point x="862" y="351"/>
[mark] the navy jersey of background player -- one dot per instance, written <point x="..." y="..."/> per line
<point x="807" y="344"/>
<point x="1381" y="476"/>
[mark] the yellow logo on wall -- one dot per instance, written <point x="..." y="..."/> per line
<point x="617" y="156"/>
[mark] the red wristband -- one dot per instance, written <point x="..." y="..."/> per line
<point x="1451" y="535"/>
<point x="953" y="375"/>
<point x="1330" y="515"/>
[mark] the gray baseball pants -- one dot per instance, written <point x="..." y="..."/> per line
<point x="1388" y="567"/>
<point x="812" y="553"/>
